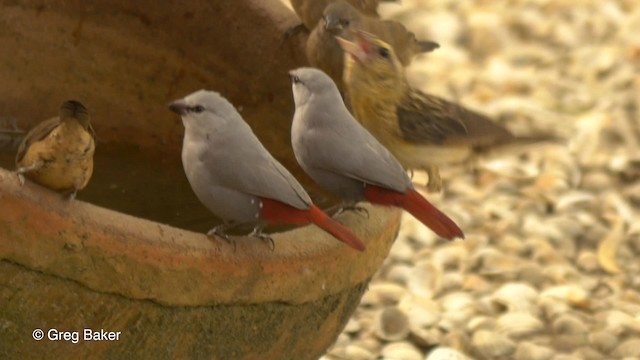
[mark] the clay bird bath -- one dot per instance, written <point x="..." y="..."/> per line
<point x="169" y="291"/>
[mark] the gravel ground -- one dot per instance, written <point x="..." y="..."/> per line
<point x="548" y="269"/>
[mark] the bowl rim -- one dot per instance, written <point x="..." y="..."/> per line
<point x="113" y="252"/>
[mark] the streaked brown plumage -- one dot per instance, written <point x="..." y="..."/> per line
<point x="310" y="11"/>
<point x="58" y="153"/>
<point x="423" y="131"/>
<point x="324" y="52"/>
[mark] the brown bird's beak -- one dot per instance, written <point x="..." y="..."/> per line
<point x="332" y="23"/>
<point x="360" y="48"/>
<point x="179" y="107"/>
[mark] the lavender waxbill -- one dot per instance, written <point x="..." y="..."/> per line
<point x="343" y="157"/>
<point x="236" y="178"/>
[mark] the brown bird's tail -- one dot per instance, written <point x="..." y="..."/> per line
<point x="427" y="46"/>
<point x="536" y="138"/>
<point x="417" y="206"/>
<point x="276" y="212"/>
<point x="516" y="144"/>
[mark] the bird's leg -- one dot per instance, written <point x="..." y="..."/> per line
<point x="257" y="232"/>
<point x="219" y="231"/>
<point x="342" y="207"/>
<point x="353" y="207"/>
<point x="72" y="195"/>
<point x="435" y="182"/>
<point x="25" y="169"/>
<point x="294" y="30"/>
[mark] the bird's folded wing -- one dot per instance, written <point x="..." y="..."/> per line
<point x="36" y="134"/>
<point x="350" y="150"/>
<point x="252" y="170"/>
<point x="429" y="119"/>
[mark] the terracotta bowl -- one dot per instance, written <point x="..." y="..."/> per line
<point x="170" y="292"/>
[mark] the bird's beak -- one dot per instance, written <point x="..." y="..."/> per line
<point x="179" y="107"/>
<point x="359" y="50"/>
<point x="332" y="23"/>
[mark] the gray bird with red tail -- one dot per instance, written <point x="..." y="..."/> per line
<point x="344" y="158"/>
<point x="236" y="178"/>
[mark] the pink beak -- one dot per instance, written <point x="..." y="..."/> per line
<point x="359" y="50"/>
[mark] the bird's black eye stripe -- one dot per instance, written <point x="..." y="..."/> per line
<point x="196" y="109"/>
<point x="384" y="52"/>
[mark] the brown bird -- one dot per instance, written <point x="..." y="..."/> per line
<point x="310" y="11"/>
<point x="58" y="153"/>
<point x="324" y="52"/>
<point x="423" y="131"/>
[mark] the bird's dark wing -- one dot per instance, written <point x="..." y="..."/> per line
<point x="428" y="119"/>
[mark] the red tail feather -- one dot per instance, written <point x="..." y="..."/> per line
<point x="276" y="212"/>
<point x="417" y="206"/>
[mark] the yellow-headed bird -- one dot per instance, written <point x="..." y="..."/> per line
<point x="423" y="131"/>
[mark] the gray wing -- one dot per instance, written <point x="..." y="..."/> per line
<point x="342" y="146"/>
<point x="250" y="168"/>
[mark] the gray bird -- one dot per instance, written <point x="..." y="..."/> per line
<point x="236" y="178"/>
<point x="344" y="158"/>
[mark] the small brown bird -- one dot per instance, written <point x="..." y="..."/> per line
<point x="58" y="153"/>
<point x="423" y="131"/>
<point x="310" y="11"/>
<point x="324" y="52"/>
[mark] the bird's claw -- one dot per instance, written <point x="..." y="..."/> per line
<point x="266" y="238"/>
<point x="72" y="195"/>
<point x="430" y="187"/>
<point x="356" y="208"/>
<point x="435" y="181"/>
<point x="25" y="169"/>
<point x="434" y="185"/>
<point x="218" y="231"/>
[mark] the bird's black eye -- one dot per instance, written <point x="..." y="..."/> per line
<point x="295" y="79"/>
<point x="345" y="22"/>
<point x="384" y="52"/>
<point x="197" y="109"/>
